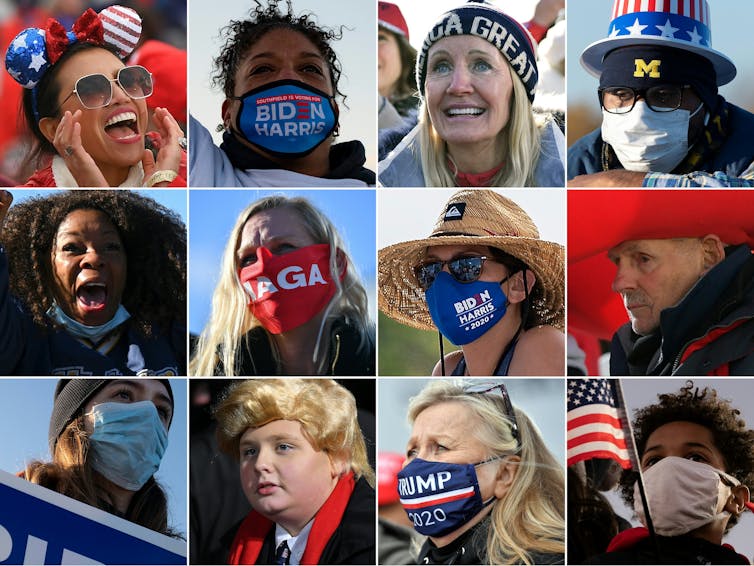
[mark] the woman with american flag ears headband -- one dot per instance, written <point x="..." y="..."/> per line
<point x="86" y="109"/>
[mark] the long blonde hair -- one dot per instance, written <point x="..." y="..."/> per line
<point x="326" y="410"/>
<point x="520" y="138"/>
<point x="70" y="474"/>
<point x="530" y="517"/>
<point x="231" y="318"/>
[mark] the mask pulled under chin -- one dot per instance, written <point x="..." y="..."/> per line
<point x="93" y="333"/>
<point x="127" y="443"/>
<point x="287" y="119"/>
<point x="645" y="140"/>
<point x="683" y="495"/>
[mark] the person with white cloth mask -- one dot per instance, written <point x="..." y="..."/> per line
<point x="697" y="460"/>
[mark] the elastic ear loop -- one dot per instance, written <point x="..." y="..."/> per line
<point x="341" y="291"/>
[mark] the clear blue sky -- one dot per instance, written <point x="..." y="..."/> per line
<point x="214" y="213"/>
<point x="25" y="408"/>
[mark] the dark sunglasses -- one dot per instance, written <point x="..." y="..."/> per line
<point x="96" y="91"/>
<point x="463" y="269"/>
<point x="498" y="390"/>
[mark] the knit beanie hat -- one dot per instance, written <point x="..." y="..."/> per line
<point x="70" y="397"/>
<point x="481" y="19"/>
<point x="667" y="65"/>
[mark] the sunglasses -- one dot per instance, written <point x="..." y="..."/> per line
<point x="96" y="91"/>
<point x="463" y="269"/>
<point x="498" y="390"/>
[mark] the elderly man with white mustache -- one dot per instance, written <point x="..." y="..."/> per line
<point x="683" y="269"/>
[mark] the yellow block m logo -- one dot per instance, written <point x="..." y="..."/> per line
<point x="652" y="68"/>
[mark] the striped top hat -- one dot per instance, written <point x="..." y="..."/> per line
<point x="683" y="24"/>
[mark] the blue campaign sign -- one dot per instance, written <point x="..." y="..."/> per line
<point x="40" y="526"/>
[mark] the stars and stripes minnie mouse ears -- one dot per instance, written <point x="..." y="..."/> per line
<point x="33" y="51"/>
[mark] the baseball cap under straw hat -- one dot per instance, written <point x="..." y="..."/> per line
<point x="474" y="217"/>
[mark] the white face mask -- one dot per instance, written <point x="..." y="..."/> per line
<point x="645" y="140"/>
<point x="683" y="495"/>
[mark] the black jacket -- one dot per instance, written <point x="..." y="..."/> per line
<point x="471" y="548"/>
<point x="255" y="355"/>
<point x="710" y="332"/>
<point x="682" y="549"/>
<point x="353" y="540"/>
<point x="346" y="159"/>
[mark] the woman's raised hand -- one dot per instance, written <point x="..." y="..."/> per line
<point x="169" y="151"/>
<point x="67" y="142"/>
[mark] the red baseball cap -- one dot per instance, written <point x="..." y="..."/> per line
<point x="388" y="466"/>
<point x="391" y="18"/>
<point x="168" y="67"/>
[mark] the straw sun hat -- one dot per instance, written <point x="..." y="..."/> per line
<point x="474" y="217"/>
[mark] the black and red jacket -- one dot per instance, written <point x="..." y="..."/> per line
<point x="709" y="332"/>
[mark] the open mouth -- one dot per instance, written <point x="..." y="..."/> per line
<point x="92" y="296"/>
<point x="470" y="111"/>
<point x="122" y="126"/>
<point x="266" y="488"/>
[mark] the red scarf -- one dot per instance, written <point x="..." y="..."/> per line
<point x="483" y="179"/>
<point x="250" y="536"/>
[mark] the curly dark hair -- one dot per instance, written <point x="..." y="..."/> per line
<point x="732" y="437"/>
<point x="154" y="239"/>
<point x="241" y="35"/>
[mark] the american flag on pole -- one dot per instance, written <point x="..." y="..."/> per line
<point x="597" y="426"/>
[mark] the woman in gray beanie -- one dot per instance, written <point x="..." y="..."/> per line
<point x="107" y="438"/>
<point x="476" y="73"/>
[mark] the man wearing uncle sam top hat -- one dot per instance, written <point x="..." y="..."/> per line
<point x="663" y="122"/>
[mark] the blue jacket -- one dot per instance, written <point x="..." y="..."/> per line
<point x="733" y="158"/>
<point x="403" y="168"/>
<point x="28" y="349"/>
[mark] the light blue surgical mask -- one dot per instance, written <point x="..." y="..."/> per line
<point x="127" y="443"/>
<point x="93" y="333"/>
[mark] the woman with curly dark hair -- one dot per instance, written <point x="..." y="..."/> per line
<point x="280" y="76"/>
<point x="697" y="459"/>
<point x="91" y="283"/>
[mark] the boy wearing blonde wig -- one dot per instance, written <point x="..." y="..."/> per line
<point x="304" y="469"/>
